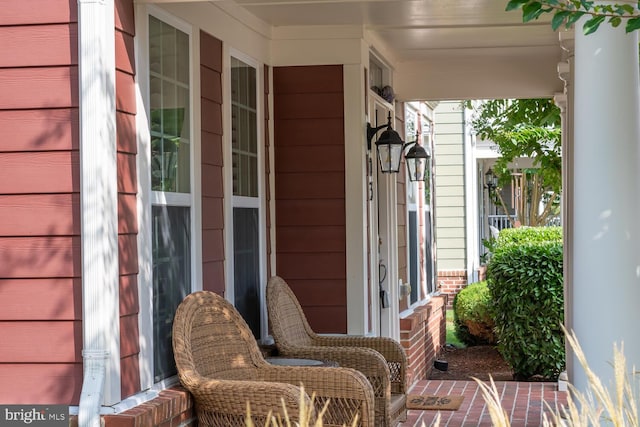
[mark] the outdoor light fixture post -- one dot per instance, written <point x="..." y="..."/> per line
<point x="491" y="181"/>
<point x="390" y="148"/>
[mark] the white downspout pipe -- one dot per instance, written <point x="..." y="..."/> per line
<point x="99" y="209"/>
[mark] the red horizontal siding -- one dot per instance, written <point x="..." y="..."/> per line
<point x="41" y="299"/>
<point x="311" y="239"/>
<point x="212" y="245"/>
<point x="126" y="133"/>
<point x="211" y="116"/>
<point x="124" y="16"/>
<point x="212" y="181"/>
<point x="30" y="12"/>
<point x="26" y="341"/>
<point x="39" y="257"/>
<point x="213" y="276"/>
<point x="129" y="376"/>
<point x="127" y="179"/>
<point x="128" y="288"/>
<point x="125" y="92"/>
<point x="50" y="172"/>
<point x="312" y="185"/>
<point x="39" y="45"/>
<point x="129" y="335"/>
<point x="309" y="132"/>
<point x="211" y="84"/>
<point x="317" y="79"/>
<point x="312" y="106"/>
<point x="310" y="159"/>
<point x="319" y="265"/>
<point x="40" y="215"/>
<point x="39" y="130"/>
<point x="128" y="254"/>
<point x="214" y="207"/>
<point x="125" y="54"/>
<point x="300" y="212"/>
<point x="127" y="214"/>
<point x="48" y="383"/>
<point x="42" y="87"/>
<point x="211" y="148"/>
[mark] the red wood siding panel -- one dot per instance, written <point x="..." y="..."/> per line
<point x="39" y="45"/>
<point x="37" y="130"/>
<point x="130" y="375"/>
<point x="40" y="215"/>
<point x="44" y="384"/>
<point x="39" y="172"/>
<point x="40" y="355"/>
<point x="30" y="12"/>
<point x="212" y="162"/>
<point x="41" y="87"/>
<point x="20" y="339"/>
<point x="49" y="299"/>
<point x="310" y="189"/>
<point x="125" y="18"/>
<point x="39" y="257"/>
<point x="127" y="196"/>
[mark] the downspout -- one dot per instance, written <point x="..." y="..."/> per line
<point x="98" y="205"/>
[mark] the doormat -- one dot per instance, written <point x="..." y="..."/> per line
<point x="429" y="402"/>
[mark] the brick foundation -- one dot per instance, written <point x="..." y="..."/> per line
<point x="450" y="283"/>
<point x="173" y="407"/>
<point x="422" y="335"/>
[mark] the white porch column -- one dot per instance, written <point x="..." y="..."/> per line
<point x="606" y="231"/>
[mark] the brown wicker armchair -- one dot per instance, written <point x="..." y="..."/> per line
<point x="219" y="362"/>
<point x="382" y="360"/>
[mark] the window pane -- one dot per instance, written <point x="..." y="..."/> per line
<point x="171" y="279"/>
<point x="169" y="104"/>
<point x="244" y="137"/>
<point x="246" y="261"/>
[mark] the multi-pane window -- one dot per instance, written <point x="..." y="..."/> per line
<point x="246" y="201"/>
<point x="170" y="131"/>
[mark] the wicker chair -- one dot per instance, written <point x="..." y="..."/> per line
<point x="382" y="360"/>
<point x="220" y="364"/>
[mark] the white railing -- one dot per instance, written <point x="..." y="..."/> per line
<point x="499" y="221"/>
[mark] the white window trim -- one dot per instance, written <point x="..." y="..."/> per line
<point x="239" y="201"/>
<point x="147" y="198"/>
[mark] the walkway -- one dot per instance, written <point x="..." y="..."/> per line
<point x="523" y="401"/>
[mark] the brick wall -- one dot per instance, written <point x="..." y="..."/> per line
<point x="450" y="283"/>
<point x="172" y="407"/>
<point x="422" y="334"/>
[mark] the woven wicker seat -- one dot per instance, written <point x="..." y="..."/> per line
<point x="382" y="360"/>
<point x="219" y="362"/>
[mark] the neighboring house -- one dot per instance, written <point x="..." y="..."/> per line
<point x="151" y="150"/>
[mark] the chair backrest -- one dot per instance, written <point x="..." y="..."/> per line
<point x="211" y="339"/>
<point x="289" y="325"/>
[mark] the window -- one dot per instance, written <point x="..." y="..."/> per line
<point x="246" y="194"/>
<point x="170" y="169"/>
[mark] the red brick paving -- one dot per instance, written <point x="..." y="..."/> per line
<point x="523" y="402"/>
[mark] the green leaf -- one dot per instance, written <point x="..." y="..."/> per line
<point x="592" y="24"/>
<point x="632" y="25"/>
<point x="559" y="18"/>
<point x="531" y="11"/>
<point x="573" y="18"/>
<point x="615" y="21"/>
<point x="515" y="4"/>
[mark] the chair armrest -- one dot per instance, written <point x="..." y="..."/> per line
<point x="343" y="386"/>
<point x="231" y="397"/>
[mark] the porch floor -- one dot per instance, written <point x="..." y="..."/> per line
<point x="523" y="401"/>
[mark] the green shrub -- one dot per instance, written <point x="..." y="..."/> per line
<point x="526" y="286"/>
<point x="523" y="235"/>
<point x="472" y="315"/>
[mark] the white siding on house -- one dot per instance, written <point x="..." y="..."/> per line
<point x="449" y="172"/>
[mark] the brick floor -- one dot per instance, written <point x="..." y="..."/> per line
<point x="523" y="401"/>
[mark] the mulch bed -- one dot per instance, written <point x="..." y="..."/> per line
<point x="479" y="361"/>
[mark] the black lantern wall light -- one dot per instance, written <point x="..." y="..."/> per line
<point x="390" y="148"/>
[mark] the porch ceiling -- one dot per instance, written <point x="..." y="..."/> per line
<point x="441" y="49"/>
